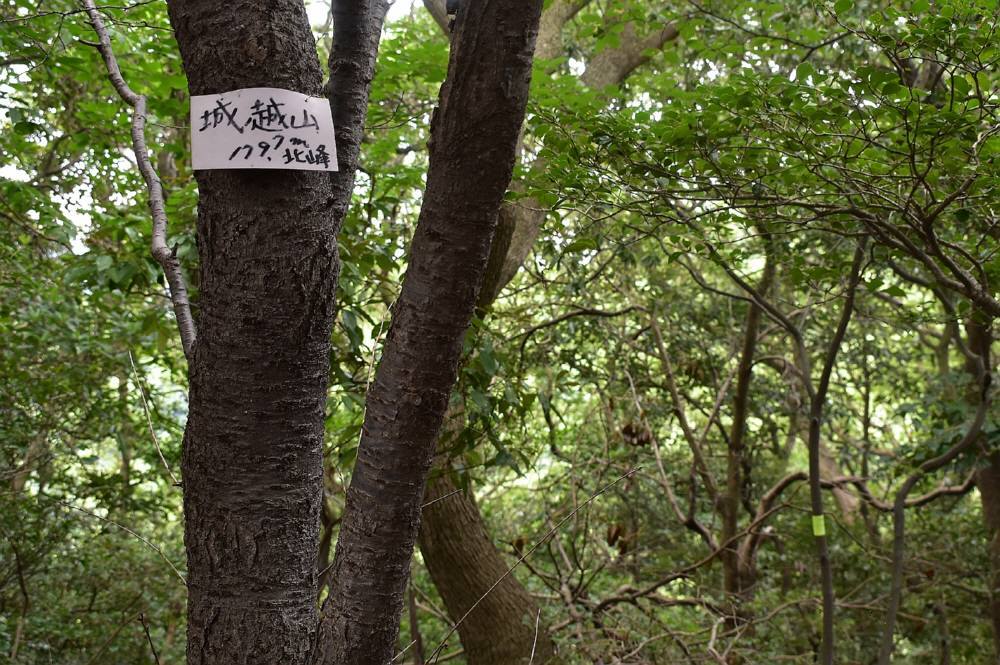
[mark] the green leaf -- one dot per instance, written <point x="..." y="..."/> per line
<point x="843" y="6"/>
<point x="804" y="71"/>
<point x="24" y="127"/>
<point x="581" y="244"/>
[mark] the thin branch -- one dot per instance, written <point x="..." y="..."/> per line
<point x="583" y="311"/>
<point x="166" y="257"/>
<point x="149" y="638"/>
<point x="534" y="643"/>
<point x="149" y="421"/>
<point x="127" y="530"/>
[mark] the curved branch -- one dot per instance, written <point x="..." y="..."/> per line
<point x="583" y="311"/>
<point x="166" y="257"/>
<point x="899" y="516"/>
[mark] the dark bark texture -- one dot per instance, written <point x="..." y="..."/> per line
<point x="357" y="28"/>
<point x="473" y="138"/>
<point x="454" y="541"/>
<point x="252" y="458"/>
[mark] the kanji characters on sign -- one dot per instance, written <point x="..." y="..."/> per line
<point x="265" y="128"/>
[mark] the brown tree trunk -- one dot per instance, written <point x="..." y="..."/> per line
<point x="473" y="138"/>
<point x="737" y="577"/>
<point x="979" y="342"/>
<point x="252" y="459"/>
<point x="501" y="629"/>
<point x="988" y="483"/>
<point x="454" y="542"/>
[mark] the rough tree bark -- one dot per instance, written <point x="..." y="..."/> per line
<point x="472" y="148"/>
<point x="357" y="28"/>
<point x="252" y="459"/>
<point x="456" y="546"/>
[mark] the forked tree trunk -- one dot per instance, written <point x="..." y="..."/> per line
<point x="252" y="459"/>
<point x="473" y="138"/>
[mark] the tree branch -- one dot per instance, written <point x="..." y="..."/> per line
<point x="899" y="513"/>
<point x="166" y="257"/>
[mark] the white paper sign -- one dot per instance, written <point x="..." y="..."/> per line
<point x="262" y="128"/>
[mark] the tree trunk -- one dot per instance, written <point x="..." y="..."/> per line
<point x="979" y="341"/>
<point x="464" y="564"/>
<point x="988" y="483"/>
<point x="252" y="459"/>
<point x="473" y="138"/>
<point x="737" y="577"/>
<point x="453" y="540"/>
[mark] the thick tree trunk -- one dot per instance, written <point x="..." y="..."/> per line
<point x="252" y="458"/>
<point x="473" y="139"/>
<point x="464" y="563"/>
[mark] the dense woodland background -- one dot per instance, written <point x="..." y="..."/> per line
<point x="735" y="228"/>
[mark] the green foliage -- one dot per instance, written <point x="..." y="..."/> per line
<point x="766" y="133"/>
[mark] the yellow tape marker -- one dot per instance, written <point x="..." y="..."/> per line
<point x="819" y="526"/>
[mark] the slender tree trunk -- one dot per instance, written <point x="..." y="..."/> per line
<point x="415" y="636"/>
<point x="357" y="28"/>
<point x="252" y="459"/>
<point x="736" y="573"/>
<point x="979" y="341"/>
<point x="816" y="409"/>
<point x="988" y="483"/>
<point x="473" y="138"/>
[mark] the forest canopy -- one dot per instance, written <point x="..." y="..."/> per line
<point x="628" y="332"/>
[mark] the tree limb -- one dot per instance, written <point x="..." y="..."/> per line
<point x="166" y="257"/>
